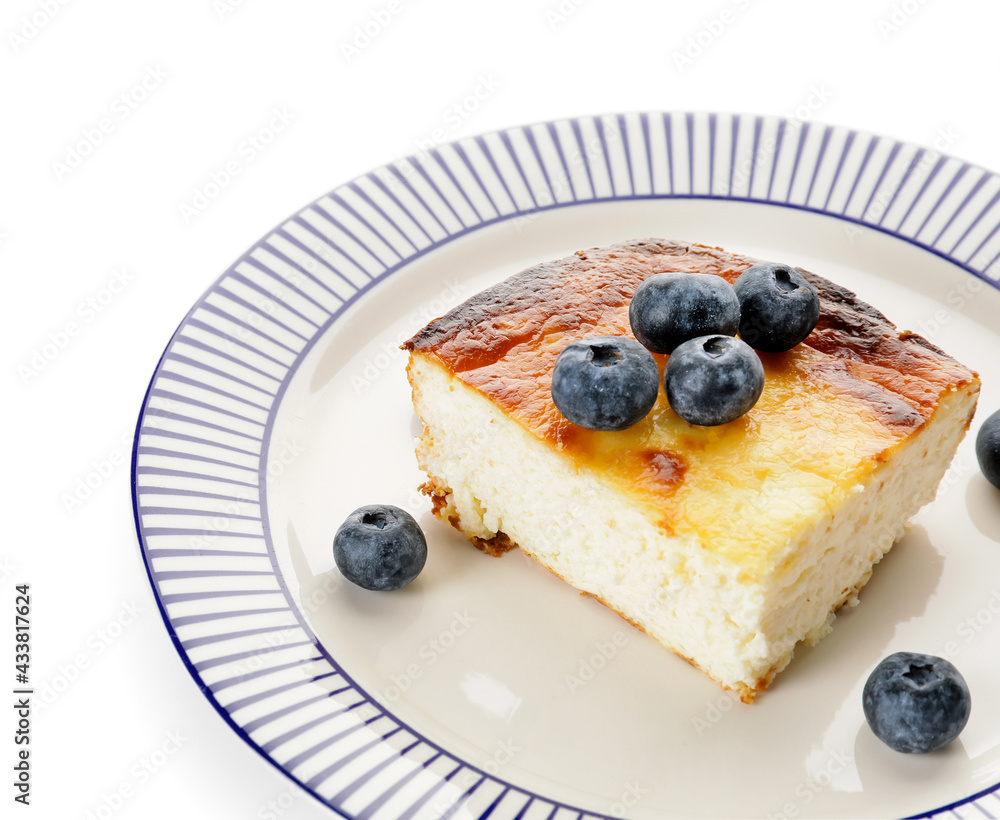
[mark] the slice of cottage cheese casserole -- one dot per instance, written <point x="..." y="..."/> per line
<point x="730" y="544"/>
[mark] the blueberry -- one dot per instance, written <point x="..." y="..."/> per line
<point x="380" y="547"/>
<point x="670" y="308"/>
<point x="988" y="449"/>
<point x="605" y="382"/>
<point x="916" y="703"/>
<point x="778" y="307"/>
<point x="713" y="380"/>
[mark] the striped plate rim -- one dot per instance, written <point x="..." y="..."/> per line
<point x="202" y="439"/>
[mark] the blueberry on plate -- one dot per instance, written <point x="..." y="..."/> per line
<point x="916" y="703"/>
<point x="988" y="449"/>
<point x="380" y="547"/>
<point x="778" y="307"/>
<point x="713" y="380"/>
<point x="605" y="382"/>
<point x="667" y="309"/>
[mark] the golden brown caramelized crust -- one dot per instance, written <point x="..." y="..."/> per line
<point x="504" y="340"/>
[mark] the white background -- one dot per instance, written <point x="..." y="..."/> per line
<point x="127" y="719"/>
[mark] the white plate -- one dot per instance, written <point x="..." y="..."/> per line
<point x="488" y="687"/>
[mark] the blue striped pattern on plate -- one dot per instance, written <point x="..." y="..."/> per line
<point x="201" y="446"/>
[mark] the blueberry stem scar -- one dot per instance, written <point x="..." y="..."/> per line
<point x="715" y="347"/>
<point x="784" y="281"/>
<point x="376" y="519"/>
<point x="604" y="355"/>
<point x="920" y="675"/>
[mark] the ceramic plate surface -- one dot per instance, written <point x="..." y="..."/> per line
<point x="488" y="687"/>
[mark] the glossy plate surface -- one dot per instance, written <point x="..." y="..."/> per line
<point x="488" y="687"/>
